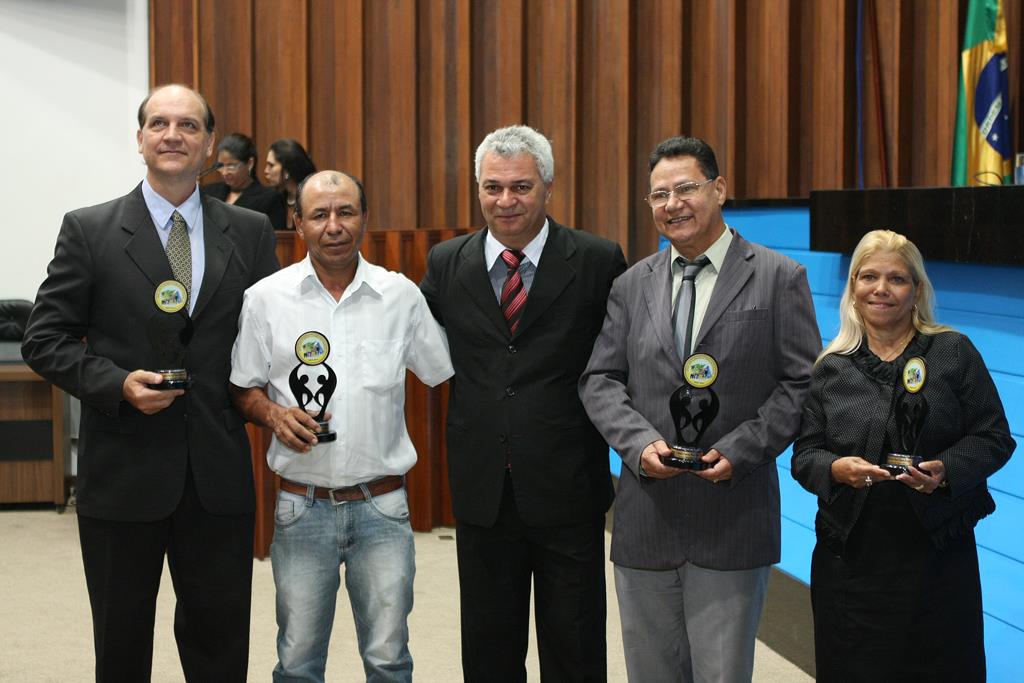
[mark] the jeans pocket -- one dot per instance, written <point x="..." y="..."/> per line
<point x="290" y="508"/>
<point x="393" y="505"/>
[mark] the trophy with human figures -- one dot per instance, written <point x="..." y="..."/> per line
<point x="312" y="350"/>
<point x="170" y="331"/>
<point x="693" y="406"/>
<point x="910" y="412"/>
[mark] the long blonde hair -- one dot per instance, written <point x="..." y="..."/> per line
<point x="851" y="327"/>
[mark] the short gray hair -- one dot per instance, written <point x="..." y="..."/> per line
<point x="515" y="140"/>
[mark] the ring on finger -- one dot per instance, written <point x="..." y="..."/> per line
<point x="919" y="487"/>
<point x="867" y="480"/>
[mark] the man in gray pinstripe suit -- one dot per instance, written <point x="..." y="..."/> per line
<point x="692" y="549"/>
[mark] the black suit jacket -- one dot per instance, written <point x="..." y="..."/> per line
<point x="513" y="397"/>
<point x="88" y="330"/>
<point x="256" y="197"/>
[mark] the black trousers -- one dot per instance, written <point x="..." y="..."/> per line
<point x="566" y="565"/>
<point x="210" y="560"/>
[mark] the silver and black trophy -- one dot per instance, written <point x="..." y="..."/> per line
<point x="910" y="412"/>
<point x="312" y="350"/>
<point x="170" y="330"/>
<point x="694" y="406"/>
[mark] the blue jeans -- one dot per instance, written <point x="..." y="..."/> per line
<point x="373" y="539"/>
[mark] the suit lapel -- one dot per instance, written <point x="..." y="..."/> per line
<point x="553" y="275"/>
<point x="143" y="246"/>
<point x="736" y="270"/>
<point x="218" y="250"/>
<point x="657" y="287"/>
<point x="472" y="277"/>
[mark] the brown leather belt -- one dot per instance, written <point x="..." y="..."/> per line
<point x="377" y="487"/>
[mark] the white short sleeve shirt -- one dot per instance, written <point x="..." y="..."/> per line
<point x="380" y="327"/>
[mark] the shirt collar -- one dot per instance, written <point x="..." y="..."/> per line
<point x="716" y="252"/>
<point x="161" y="209"/>
<point x="493" y="248"/>
<point x="366" y="276"/>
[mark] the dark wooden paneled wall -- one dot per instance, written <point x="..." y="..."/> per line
<point x="400" y="92"/>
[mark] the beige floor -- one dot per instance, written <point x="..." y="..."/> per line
<point x="45" y="630"/>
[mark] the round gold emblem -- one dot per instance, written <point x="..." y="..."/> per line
<point x="312" y="348"/>
<point x="914" y="374"/>
<point x="170" y="296"/>
<point x="700" y="370"/>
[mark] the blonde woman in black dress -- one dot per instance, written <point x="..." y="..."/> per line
<point x="894" y="576"/>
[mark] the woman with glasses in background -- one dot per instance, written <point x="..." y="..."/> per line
<point x="236" y="155"/>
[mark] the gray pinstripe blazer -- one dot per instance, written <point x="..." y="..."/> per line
<point x="760" y="327"/>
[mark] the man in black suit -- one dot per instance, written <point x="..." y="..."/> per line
<point x="522" y="302"/>
<point x="161" y="472"/>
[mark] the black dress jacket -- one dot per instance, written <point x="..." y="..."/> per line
<point x="256" y="197"/>
<point x="94" y="321"/>
<point x="513" y="399"/>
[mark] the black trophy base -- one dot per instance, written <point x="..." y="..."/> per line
<point x="173" y="379"/>
<point x="685" y="458"/>
<point x="324" y="434"/>
<point x="900" y="463"/>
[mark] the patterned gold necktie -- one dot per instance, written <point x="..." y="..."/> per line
<point x="179" y="252"/>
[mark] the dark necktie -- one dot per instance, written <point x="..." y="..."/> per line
<point x="684" y="304"/>
<point x="179" y="252"/>
<point x="513" y="294"/>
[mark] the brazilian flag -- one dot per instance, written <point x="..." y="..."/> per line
<point x="982" y="149"/>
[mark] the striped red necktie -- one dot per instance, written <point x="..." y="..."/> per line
<point x="513" y="294"/>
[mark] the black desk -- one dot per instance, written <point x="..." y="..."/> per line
<point x="965" y="224"/>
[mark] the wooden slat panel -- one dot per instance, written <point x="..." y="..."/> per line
<point x="336" y="85"/>
<point x="661" y="85"/>
<point x="225" y="64"/>
<point x="444" y="147"/>
<point x="933" y="93"/>
<point x="27" y="481"/>
<point x="766" y="83"/>
<point x="605" y="167"/>
<point x="827" y="105"/>
<point x="551" y="93"/>
<point x="281" y="59"/>
<point x="713" y="103"/>
<point x="390" y="162"/>
<point x="172" y="42"/>
<point x="498" y="74"/>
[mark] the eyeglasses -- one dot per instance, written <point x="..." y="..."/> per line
<point x="232" y="166"/>
<point x="681" y="191"/>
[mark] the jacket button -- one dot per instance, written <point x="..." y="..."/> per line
<point x="502" y="438"/>
<point x="510" y="391"/>
<point x="512" y="348"/>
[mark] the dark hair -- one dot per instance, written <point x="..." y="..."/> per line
<point x="680" y="146"/>
<point x="357" y="181"/>
<point x="208" y="119"/>
<point x="293" y="158"/>
<point x="240" y="147"/>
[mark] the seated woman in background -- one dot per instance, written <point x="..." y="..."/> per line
<point x="899" y="401"/>
<point x="237" y="156"/>
<point x="287" y="166"/>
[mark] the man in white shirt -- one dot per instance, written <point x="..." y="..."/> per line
<point x="333" y="335"/>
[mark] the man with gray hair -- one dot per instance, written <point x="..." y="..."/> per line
<point x="522" y="302"/>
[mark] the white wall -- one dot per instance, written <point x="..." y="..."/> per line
<point x="72" y="75"/>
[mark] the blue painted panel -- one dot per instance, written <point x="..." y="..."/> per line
<point x="980" y="288"/>
<point x="1001" y="587"/>
<point x="1003" y="645"/>
<point x="797" y="544"/>
<point x="786" y="228"/>
<point x="614" y="463"/>
<point x="1000" y="531"/>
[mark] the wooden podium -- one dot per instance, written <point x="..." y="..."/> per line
<point x="964" y="224"/>
<point x="32" y="437"/>
<point x="403" y="251"/>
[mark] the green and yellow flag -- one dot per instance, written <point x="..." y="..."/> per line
<point x="982" y="149"/>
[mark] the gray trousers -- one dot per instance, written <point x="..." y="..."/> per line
<point x="690" y="624"/>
